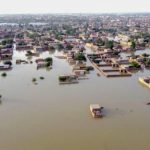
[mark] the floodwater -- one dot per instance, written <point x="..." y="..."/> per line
<point x="49" y="116"/>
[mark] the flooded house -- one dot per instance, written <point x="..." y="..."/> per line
<point x="38" y="49"/>
<point x="44" y="63"/>
<point x="6" y="54"/>
<point x="68" y="79"/>
<point x="96" y="110"/>
<point x="24" y="47"/>
<point x="5" y="67"/>
<point x="79" y="66"/>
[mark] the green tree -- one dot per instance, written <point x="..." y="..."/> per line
<point x="60" y="46"/>
<point x="69" y="47"/>
<point x="80" y="56"/>
<point x="7" y="41"/>
<point x="135" y="64"/>
<point x="133" y="45"/>
<point x="109" y="44"/>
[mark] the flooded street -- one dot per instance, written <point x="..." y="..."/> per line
<point x="49" y="116"/>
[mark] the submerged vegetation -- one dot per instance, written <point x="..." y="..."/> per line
<point x="4" y="74"/>
<point x="42" y="78"/>
<point x="34" y="80"/>
<point x="29" y="53"/>
<point x="49" y="61"/>
<point x="80" y="57"/>
<point x="135" y="64"/>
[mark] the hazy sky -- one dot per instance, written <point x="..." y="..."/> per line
<point x="73" y="6"/>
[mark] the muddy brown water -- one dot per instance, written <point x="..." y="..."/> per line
<point x="49" y="116"/>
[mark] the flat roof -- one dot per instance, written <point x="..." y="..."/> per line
<point x="95" y="106"/>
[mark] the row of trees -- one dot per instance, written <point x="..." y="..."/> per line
<point x="110" y="44"/>
<point x="106" y="43"/>
<point x="67" y="47"/>
<point x="7" y="41"/>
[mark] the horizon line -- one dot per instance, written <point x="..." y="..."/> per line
<point x="70" y="13"/>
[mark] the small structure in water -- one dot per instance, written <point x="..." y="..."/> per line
<point x="19" y="61"/>
<point x="68" y="79"/>
<point x="80" y="72"/>
<point x="145" y="81"/>
<point x="44" y="63"/>
<point x="61" y="56"/>
<point x="96" y="110"/>
<point x="5" y="67"/>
